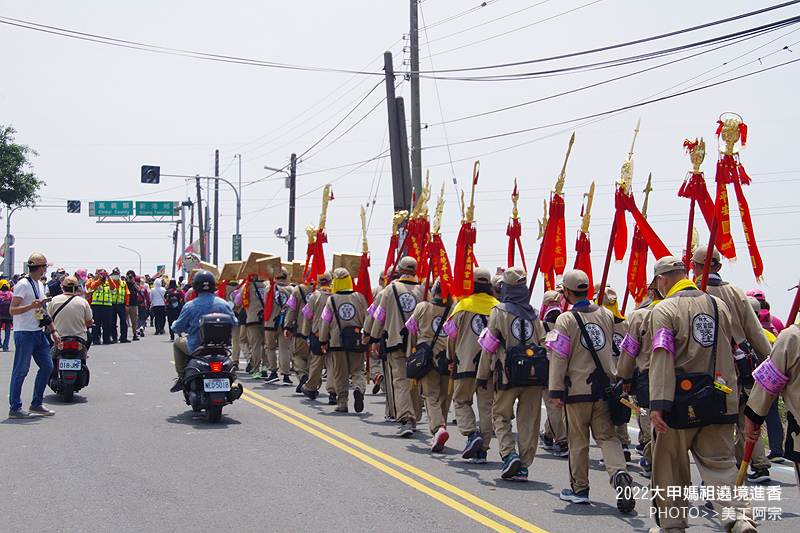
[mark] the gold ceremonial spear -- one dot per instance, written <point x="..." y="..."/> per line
<point x="587" y="213"/>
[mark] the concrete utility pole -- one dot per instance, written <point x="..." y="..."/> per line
<point x="401" y="187"/>
<point x="416" y="126"/>
<point x="216" y="208"/>
<point x="292" y="188"/>
<point x="201" y="235"/>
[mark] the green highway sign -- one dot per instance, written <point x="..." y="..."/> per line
<point x="155" y="208"/>
<point x="111" y="208"/>
<point x="237" y="247"/>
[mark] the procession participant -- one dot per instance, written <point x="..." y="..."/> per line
<point x="554" y="435"/>
<point x="512" y="323"/>
<point x="293" y="323"/>
<point x="779" y="374"/>
<point x="239" y="345"/>
<point x="691" y="332"/>
<point x="252" y="292"/>
<point x="769" y="322"/>
<point x="340" y="335"/>
<point x="397" y="302"/>
<point x="277" y="347"/>
<point x="578" y="374"/>
<point x="377" y="351"/>
<point x="426" y="325"/>
<point x="312" y="312"/>
<point x="375" y="362"/>
<point x="466" y="323"/>
<point x="101" y="288"/>
<point x="747" y="337"/>
<point x="636" y="349"/>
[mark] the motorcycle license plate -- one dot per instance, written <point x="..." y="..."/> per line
<point x="69" y="364"/>
<point x="217" y="385"/>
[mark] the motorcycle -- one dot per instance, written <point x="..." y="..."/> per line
<point x="208" y="378"/>
<point x="70" y="373"/>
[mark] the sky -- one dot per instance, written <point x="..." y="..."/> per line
<point x="96" y="113"/>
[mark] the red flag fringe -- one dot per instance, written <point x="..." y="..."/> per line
<point x="583" y="259"/>
<point x="464" y="261"/>
<point x="363" y="283"/>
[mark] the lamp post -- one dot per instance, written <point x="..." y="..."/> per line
<point x="291" y="179"/>
<point x="137" y="253"/>
<point x="8" y="262"/>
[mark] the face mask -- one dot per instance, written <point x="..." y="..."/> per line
<point x="115" y="277"/>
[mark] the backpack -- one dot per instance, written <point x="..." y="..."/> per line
<point x="5" y="305"/>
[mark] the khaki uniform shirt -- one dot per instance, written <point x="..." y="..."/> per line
<point x="351" y="308"/>
<point x="745" y="325"/>
<point x="422" y="325"/>
<point x="280" y="299"/>
<point x="463" y="331"/>
<point x="71" y="320"/>
<point x="255" y="309"/>
<point x="683" y="342"/>
<point x="313" y="311"/>
<point x="571" y="362"/>
<point x="780" y="374"/>
<point x="294" y="319"/>
<point x="390" y="318"/>
<point x="637" y="345"/>
<point x="503" y="331"/>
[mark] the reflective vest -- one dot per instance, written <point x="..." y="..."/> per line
<point x="118" y="294"/>
<point x="102" y="294"/>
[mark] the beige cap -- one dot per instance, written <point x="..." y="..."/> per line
<point x="700" y="254"/>
<point x="325" y="277"/>
<point x="551" y="298"/>
<point x="576" y="280"/>
<point x="341" y="273"/>
<point x="284" y="273"/>
<point x="610" y="295"/>
<point x="755" y="304"/>
<point x="482" y="275"/>
<point x="514" y="276"/>
<point x="497" y="280"/>
<point x="667" y="264"/>
<point x="38" y="260"/>
<point x="407" y="263"/>
<point x="70" y="281"/>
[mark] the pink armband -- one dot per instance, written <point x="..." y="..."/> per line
<point x="292" y="302"/>
<point x="558" y="342"/>
<point x="488" y="341"/>
<point x="307" y="312"/>
<point x="412" y="326"/>
<point x="630" y="346"/>
<point x="380" y="314"/>
<point x="664" y="338"/>
<point x="327" y="315"/>
<point x="371" y="310"/>
<point x="769" y="377"/>
<point x="451" y="329"/>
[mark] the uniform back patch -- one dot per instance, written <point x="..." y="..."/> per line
<point x="522" y="329"/>
<point x="703" y="330"/>
<point x="478" y="323"/>
<point x="407" y="302"/>
<point x="346" y="311"/>
<point x="597" y="335"/>
<point x="281" y="298"/>
<point x="435" y="325"/>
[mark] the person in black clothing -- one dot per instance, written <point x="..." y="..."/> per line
<point x="54" y="285"/>
<point x="174" y="300"/>
<point x="132" y="305"/>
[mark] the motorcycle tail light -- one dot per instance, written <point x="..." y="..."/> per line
<point x="216" y="366"/>
<point x="70" y="345"/>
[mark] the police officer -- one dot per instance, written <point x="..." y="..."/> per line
<point x="691" y="332"/>
<point x="101" y="288"/>
<point x="576" y="383"/>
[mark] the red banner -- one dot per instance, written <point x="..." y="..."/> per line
<point x="625" y="203"/>
<point x="621" y="238"/>
<point x="637" y="267"/>
<point x="695" y="189"/>
<point x="394" y="243"/>
<point x="554" y="250"/>
<point x="462" y="275"/>
<point x="317" y="257"/>
<point x="514" y="232"/>
<point x="583" y="259"/>
<point x="440" y="266"/>
<point x="363" y="284"/>
<point x="747" y="223"/>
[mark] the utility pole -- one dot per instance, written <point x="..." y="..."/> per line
<point x="292" y="188"/>
<point x="401" y="189"/>
<point x="175" y="248"/>
<point x="216" y="208"/>
<point x="416" y="126"/>
<point x="201" y="235"/>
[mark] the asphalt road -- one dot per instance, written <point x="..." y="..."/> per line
<point x="127" y="455"/>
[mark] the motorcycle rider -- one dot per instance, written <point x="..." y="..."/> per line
<point x="71" y="313"/>
<point x="188" y="321"/>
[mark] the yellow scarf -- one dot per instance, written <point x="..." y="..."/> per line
<point x="342" y="284"/>
<point x="614" y="308"/>
<point x="479" y="303"/>
<point x="681" y="285"/>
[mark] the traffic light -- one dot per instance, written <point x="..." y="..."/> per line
<point x="73" y="206"/>
<point x="151" y="174"/>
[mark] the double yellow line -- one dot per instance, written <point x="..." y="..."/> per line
<point x="370" y="455"/>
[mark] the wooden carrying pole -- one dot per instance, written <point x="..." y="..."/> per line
<point x="610" y="251"/>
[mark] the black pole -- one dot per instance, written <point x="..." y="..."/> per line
<point x="216" y="208"/>
<point x="201" y="235"/>
<point x="292" y="188"/>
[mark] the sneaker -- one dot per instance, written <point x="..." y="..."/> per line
<point x="235" y="368"/>
<point x="547" y="442"/>
<point x="310" y="394"/>
<point x="406" y="430"/>
<point x="775" y="457"/>
<point x="287" y="381"/>
<point x="332" y="399"/>
<point x="125" y="341"/>
<point x="625" y="500"/>
<point x="358" y="404"/>
<point x="560" y="450"/>
<point x="378" y="381"/>
<point x="647" y="468"/>
<point x="40" y="410"/>
<point x="342" y="409"/>
<point x="19" y="413"/>
<point x="272" y="378"/>
<point x="511" y="464"/>
<point x="135" y="338"/>
<point x="439" y="439"/>
<point x="178" y="386"/>
<point x="521" y="475"/>
<point x="761" y="475"/>
<point x="299" y="388"/>
<point x="480" y="458"/>
<point x="389" y="419"/>
<point x="257" y="375"/>
<point x="141" y="332"/>
<point x="582" y="496"/>
<point x="474" y="445"/>
<point x="640" y="449"/>
<point x="626" y="452"/>
<point x="249" y="368"/>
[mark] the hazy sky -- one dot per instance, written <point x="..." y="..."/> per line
<point x="96" y="113"/>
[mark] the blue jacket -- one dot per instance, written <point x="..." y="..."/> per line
<point x="189" y="319"/>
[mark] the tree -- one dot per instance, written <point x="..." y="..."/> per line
<point x="17" y="187"/>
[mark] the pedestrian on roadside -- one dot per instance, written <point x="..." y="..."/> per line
<point x="158" y="304"/>
<point x="132" y="303"/>
<point x="174" y="304"/>
<point x="6" y="295"/>
<point x="144" y="304"/>
<point x="30" y="341"/>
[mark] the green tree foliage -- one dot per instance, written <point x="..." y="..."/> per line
<point x="17" y="187"/>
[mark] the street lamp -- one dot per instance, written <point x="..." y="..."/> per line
<point x="137" y="253"/>
<point x="8" y="262"/>
<point x="290" y="184"/>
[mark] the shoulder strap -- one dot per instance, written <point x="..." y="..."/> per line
<point x="588" y="341"/>
<point x="336" y="313"/>
<point x="716" y="331"/>
<point x="399" y="307"/>
<point x="441" y="324"/>
<point x="63" y="306"/>
<point x="34" y="286"/>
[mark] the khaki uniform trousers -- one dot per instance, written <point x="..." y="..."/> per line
<point x="278" y="351"/>
<point x="241" y="346"/>
<point x="255" y="336"/>
<point x="623" y="435"/>
<point x="529" y="417"/>
<point x="315" y="367"/>
<point x="712" y="448"/>
<point x="759" y="459"/>
<point x="407" y="402"/>
<point x="579" y="418"/>
<point x="554" y="427"/>
<point x="388" y="387"/>
<point x="464" y="391"/>
<point x="300" y="355"/>
<point x="646" y="436"/>
<point x="347" y="366"/>
<point x="433" y="389"/>
<point x="376" y="368"/>
<point x="132" y="313"/>
<point x="180" y="353"/>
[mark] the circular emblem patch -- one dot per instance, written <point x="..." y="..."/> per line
<point x="477" y="324"/>
<point x="407" y="302"/>
<point x="347" y="311"/>
<point x="703" y="330"/>
<point x="435" y="325"/>
<point x="618" y="340"/>
<point x="686" y="384"/>
<point x="597" y="335"/>
<point x="281" y="298"/>
<point x="522" y="329"/>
